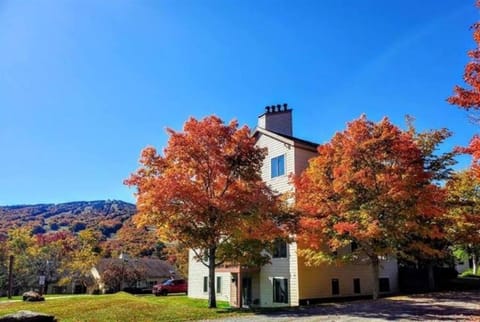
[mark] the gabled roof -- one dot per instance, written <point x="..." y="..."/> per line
<point x="153" y="267"/>
<point x="286" y="138"/>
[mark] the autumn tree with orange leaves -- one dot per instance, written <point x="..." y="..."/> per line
<point x="206" y="192"/>
<point x="367" y="186"/>
<point x="468" y="97"/>
<point x="464" y="232"/>
<point x="439" y="166"/>
<point x="463" y="198"/>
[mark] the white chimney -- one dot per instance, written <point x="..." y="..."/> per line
<point x="277" y="118"/>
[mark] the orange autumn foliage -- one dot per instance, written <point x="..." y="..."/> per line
<point x="463" y="197"/>
<point x="206" y="187"/>
<point x="368" y="185"/>
<point x="468" y="97"/>
<point x="206" y="192"/>
<point x="473" y="149"/>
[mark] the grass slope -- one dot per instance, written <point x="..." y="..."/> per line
<point x="121" y="307"/>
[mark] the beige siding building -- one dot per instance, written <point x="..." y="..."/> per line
<point x="198" y="281"/>
<point x="287" y="281"/>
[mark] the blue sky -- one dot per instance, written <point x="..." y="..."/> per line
<point x="85" y="85"/>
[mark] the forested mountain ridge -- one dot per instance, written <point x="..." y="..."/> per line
<point x="106" y="216"/>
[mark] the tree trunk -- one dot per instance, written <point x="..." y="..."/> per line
<point x="212" y="300"/>
<point x="474" y="262"/>
<point x="431" y="278"/>
<point x="376" y="275"/>
<point x="10" y="277"/>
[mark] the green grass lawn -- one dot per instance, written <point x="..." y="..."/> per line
<point x="121" y="307"/>
<point x="469" y="273"/>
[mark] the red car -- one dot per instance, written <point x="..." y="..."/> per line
<point x="170" y="286"/>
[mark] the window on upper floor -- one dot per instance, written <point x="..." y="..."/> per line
<point x="279" y="249"/>
<point x="278" y="166"/>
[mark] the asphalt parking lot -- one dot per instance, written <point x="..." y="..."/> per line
<point x="441" y="306"/>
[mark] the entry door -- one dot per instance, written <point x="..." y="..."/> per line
<point x="246" y="291"/>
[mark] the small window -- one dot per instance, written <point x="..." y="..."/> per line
<point x="205" y="284"/>
<point x="279" y="249"/>
<point x="219" y="284"/>
<point x="335" y="286"/>
<point x="278" y="166"/>
<point x="384" y="284"/>
<point x="280" y="290"/>
<point x="356" y="286"/>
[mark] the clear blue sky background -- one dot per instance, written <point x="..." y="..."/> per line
<point x="85" y="85"/>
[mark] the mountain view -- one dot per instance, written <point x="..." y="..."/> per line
<point x="107" y="216"/>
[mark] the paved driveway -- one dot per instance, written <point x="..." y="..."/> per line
<point x="444" y="306"/>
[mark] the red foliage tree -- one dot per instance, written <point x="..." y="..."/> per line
<point x="468" y="98"/>
<point x="368" y="186"/>
<point x="118" y="275"/>
<point x="206" y="192"/>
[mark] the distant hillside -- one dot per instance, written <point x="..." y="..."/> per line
<point x="105" y="215"/>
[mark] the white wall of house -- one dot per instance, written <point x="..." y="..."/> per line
<point x="275" y="148"/>
<point x="283" y="268"/>
<point x="196" y="274"/>
<point x="280" y="268"/>
<point x="389" y="268"/>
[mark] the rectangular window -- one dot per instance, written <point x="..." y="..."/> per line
<point x="353" y="246"/>
<point x="205" y="284"/>
<point x="280" y="290"/>
<point x="356" y="286"/>
<point x="335" y="286"/>
<point x="280" y="249"/>
<point x="278" y="166"/>
<point x="219" y="284"/>
<point x="384" y="284"/>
